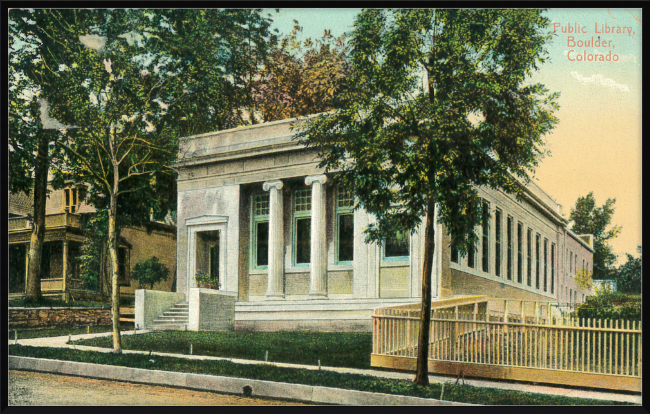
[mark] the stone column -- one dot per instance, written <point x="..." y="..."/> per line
<point x="27" y="246"/>
<point x="318" y="252"/>
<point x="275" y="275"/>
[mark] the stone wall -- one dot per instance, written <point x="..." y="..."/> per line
<point x="20" y="318"/>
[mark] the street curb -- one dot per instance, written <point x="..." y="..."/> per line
<point x="229" y="385"/>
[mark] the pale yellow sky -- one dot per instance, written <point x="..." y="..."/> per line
<point x="597" y="143"/>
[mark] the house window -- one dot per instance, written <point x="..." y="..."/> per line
<point x="529" y="253"/>
<point x="571" y="263"/>
<point x="344" y="226"/>
<point x="553" y="268"/>
<point x="509" y="254"/>
<point x="71" y="200"/>
<point x="471" y="253"/>
<point x="537" y="240"/>
<point x="454" y="252"/>
<point x="397" y="247"/>
<point x="302" y="227"/>
<point x="545" y="264"/>
<point x="497" y="245"/>
<point x="520" y="253"/>
<point x="485" y="215"/>
<point x="260" y="231"/>
<point x="122" y="265"/>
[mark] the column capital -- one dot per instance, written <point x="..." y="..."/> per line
<point x="322" y="179"/>
<point x="272" y="184"/>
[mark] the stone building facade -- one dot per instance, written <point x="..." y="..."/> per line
<point x="257" y="214"/>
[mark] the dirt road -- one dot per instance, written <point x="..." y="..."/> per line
<point x="36" y="388"/>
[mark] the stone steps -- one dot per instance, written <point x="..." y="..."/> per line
<point x="175" y="319"/>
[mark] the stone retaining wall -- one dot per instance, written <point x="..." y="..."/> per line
<point x="45" y="317"/>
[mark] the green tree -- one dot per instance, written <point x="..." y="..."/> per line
<point x="150" y="271"/>
<point x="299" y="79"/>
<point x="30" y="144"/>
<point x="130" y="82"/>
<point x="589" y="219"/>
<point x="629" y="274"/>
<point x="437" y="105"/>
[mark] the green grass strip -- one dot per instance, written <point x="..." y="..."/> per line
<point x="333" y="349"/>
<point x="458" y="393"/>
<point x="56" y="331"/>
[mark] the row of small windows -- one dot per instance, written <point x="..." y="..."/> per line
<point x="573" y="263"/>
<point x="541" y="269"/>
<point x="394" y="249"/>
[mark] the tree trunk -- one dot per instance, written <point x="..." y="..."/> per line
<point x="112" y="250"/>
<point x="33" y="285"/>
<point x="422" y="370"/>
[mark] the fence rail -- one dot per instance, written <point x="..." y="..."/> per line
<point x="539" y="341"/>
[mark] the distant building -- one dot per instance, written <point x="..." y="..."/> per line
<point x="255" y="211"/>
<point x="59" y="272"/>
<point x="602" y="284"/>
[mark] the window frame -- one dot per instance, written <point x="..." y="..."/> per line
<point x="340" y="211"/>
<point x="385" y="258"/>
<point x="255" y="220"/>
<point x="70" y="194"/>
<point x="552" y="268"/>
<point x="485" y="236"/>
<point x="538" y="238"/>
<point x="509" y="249"/>
<point x="295" y="216"/>
<point x="545" y="285"/>
<point x="529" y="257"/>
<point x="498" y="219"/>
<point x="520" y="252"/>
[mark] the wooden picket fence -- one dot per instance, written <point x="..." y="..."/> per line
<point x="534" y="346"/>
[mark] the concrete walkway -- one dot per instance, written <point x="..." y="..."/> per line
<point x="60" y="342"/>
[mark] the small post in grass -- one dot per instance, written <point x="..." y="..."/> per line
<point x="88" y="329"/>
<point x="266" y="356"/>
<point x="191" y="350"/>
<point x="442" y="392"/>
<point x="69" y="338"/>
<point x="15" y="337"/>
<point x="319" y="364"/>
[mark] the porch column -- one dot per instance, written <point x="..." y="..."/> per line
<point x="318" y="252"/>
<point x="65" y="268"/>
<point x="275" y="275"/>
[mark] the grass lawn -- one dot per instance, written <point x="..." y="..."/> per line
<point x="459" y="393"/>
<point x="57" y="331"/>
<point x="334" y="349"/>
<point x="56" y="303"/>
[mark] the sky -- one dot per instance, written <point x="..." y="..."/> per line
<point x="596" y="146"/>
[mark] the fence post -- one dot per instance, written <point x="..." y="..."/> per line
<point x="455" y="334"/>
<point x="522" y="305"/>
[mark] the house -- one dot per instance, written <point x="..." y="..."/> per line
<point x="257" y="214"/>
<point x="63" y="238"/>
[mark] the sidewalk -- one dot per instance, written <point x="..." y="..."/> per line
<point x="60" y="342"/>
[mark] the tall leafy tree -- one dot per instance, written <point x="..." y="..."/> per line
<point x="629" y="274"/>
<point x="300" y="78"/>
<point x="130" y="82"/>
<point x="30" y="144"/>
<point x="438" y="104"/>
<point x="589" y="219"/>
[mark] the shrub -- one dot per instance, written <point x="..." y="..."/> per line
<point x="611" y="305"/>
<point x="150" y="271"/>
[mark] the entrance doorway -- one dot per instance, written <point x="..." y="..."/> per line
<point x="208" y="257"/>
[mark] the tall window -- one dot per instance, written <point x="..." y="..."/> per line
<point x="397" y="247"/>
<point x="571" y="262"/>
<point x="497" y="244"/>
<point x="545" y="264"/>
<point x="454" y="253"/>
<point x="529" y="253"/>
<point x="344" y="226"/>
<point x="553" y="268"/>
<point x="520" y="253"/>
<point x="260" y="231"/>
<point x="471" y="256"/>
<point x="71" y="200"/>
<point x="537" y="239"/>
<point x="302" y="227"/>
<point x="509" y="255"/>
<point x="485" y="213"/>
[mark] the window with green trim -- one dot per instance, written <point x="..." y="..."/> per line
<point x="301" y="240"/>
<point x="344" y="226"/>
<point x="260" y="231"/>
<point x="397" y="247"/>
